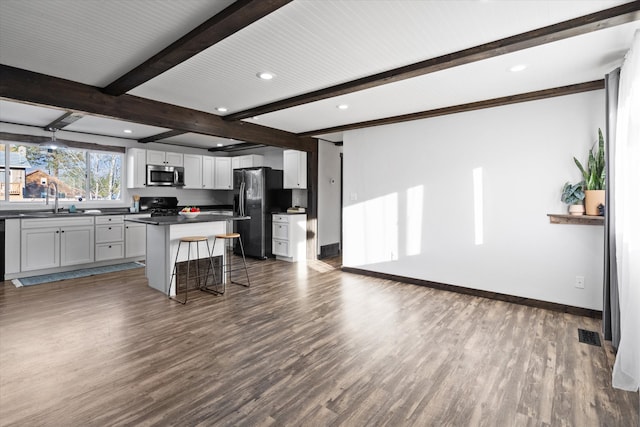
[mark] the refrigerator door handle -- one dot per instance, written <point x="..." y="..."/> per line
<point x="242" y="199"/>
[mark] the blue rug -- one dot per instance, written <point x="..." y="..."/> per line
<point x="55" y="277"/>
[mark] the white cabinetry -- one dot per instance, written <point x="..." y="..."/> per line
<point x="166" y="158"/>
<point x="136" y="168"/>
<point x="208" y="172"/>
<point x="192" y="171"/>
<point x="223" y="173"/>
<point x="295" y="169"/>
<point x="288" y="235"/>
<point x="135" y="238"/>
<point x="51" y="243"/>
<point x="248" y="161"/>
<point x="109" y="237"/>
<point x="12" y="246"/>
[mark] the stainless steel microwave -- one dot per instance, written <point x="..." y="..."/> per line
<point x="168" y="176"/>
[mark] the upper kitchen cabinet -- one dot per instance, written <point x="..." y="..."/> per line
<point x="136" y="167"/>
<point x="295" y="169"/>
<point x="223" y="173"/>
<point x="248" y="161"/>
<point x="192" y="171"/>
<point x="165" y="158"/>
<point x="208" y="172"/>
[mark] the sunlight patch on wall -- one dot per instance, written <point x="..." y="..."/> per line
<point x="371" y="228"/>
<point x="478" y="220"/>
<point x="415" y="197"/>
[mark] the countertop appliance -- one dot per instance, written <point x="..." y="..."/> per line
<point x="159" y="206"/>
<point x="255" y="191"/>
<point x="167" y="176"/>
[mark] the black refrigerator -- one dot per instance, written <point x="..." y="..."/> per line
<point x="256" y="195"/>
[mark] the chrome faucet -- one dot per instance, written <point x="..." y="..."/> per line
<point x="55" y="200"/>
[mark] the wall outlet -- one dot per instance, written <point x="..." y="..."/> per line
<point x="353" y="197"/>
<point x="580" y="282"/>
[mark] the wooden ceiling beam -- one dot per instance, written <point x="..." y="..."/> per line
<point x="64" y="120"/>
<point x="232" y="19"/>
<point x="489" y="103"/>
<point x="163" y="135"/>
<point x="618" y="15"/>
<point x="36" y="88"/>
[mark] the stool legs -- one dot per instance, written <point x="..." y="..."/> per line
<point x="227" y="268"/>
<point x="244" y="261"/>
<point x="209" y="289"/>
<point x="174" y="273"/>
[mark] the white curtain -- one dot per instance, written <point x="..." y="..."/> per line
<point x="626" y="370"/>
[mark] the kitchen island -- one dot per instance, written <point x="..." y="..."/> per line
<point x="163" y="236"/>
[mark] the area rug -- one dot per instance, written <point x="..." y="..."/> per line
<point x="55" y="277"/>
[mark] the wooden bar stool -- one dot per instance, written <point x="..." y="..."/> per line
<point x="189" y="240"/>
<point x="227" y="268"/>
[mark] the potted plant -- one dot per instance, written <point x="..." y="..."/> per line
<point x="594" y="177"/>
<point x="573" y="195"/>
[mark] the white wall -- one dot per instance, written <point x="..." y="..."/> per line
<point x="409" y="200"/>
<point x="329" y="183"/>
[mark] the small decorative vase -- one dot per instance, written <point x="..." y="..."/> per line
<point x="576" y="209"/>
<point x="592" y="199"/>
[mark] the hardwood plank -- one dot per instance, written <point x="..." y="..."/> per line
<point x="307" y="344"/>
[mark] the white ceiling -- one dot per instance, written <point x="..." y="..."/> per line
<point x="309" y="45"/>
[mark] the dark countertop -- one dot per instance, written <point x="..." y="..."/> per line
<point x="175" y="220"/>
<point x="25" y="214"/>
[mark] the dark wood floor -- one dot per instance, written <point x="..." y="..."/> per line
<point x="306" y="345"/>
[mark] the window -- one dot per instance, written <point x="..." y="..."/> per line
<point x="79" y="174"/>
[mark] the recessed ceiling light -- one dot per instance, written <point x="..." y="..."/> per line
<point x="519" y="67"/>
<point x="220" y="145"/>
<point x="221" y="109"/>
<point x="265" y="75"/>
<point x="128" y="131"/>
<point x="342" y="107"/>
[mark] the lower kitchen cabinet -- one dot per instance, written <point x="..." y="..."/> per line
<point x="56" y="243"/>
<point x="135" y="237"/>
<point x="109" y="237"/>
<point x="289" y="237"/>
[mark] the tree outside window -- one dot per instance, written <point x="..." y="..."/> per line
<point x="79" y="174"/>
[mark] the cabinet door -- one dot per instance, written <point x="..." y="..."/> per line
<point x="192" y="171"/>
<point x="136" y="168"/>
<point x="295" y="169"/>
<point x="155" y="157"/>
<point x="208" y="172"/>
<point x="246" y="161"/>
<point x="235" y="163"/>
<point x="40" y="248"/>
<point x="223" y="173"/>
<point x="76" y="245"/>
<point x="173" y="159"/>
<point x="135" y="241"/>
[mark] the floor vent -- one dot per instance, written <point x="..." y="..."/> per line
<point x="589" y="337"/>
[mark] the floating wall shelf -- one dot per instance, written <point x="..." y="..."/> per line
<point x="576" y="219"/>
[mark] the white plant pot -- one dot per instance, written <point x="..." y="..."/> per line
<point x="576" y="209"/>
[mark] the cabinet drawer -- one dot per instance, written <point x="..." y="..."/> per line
<point x="106" y="251"/>
<point x="110" y="219"/>
<point x="281" y="218"/>
<point x="280" y="231"/>
<point x="109" y="233"/>
<point x="280" y="247"/>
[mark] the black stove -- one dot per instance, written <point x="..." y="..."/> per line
<point x="159" y="206"/>
<point x="163" y="212"/>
